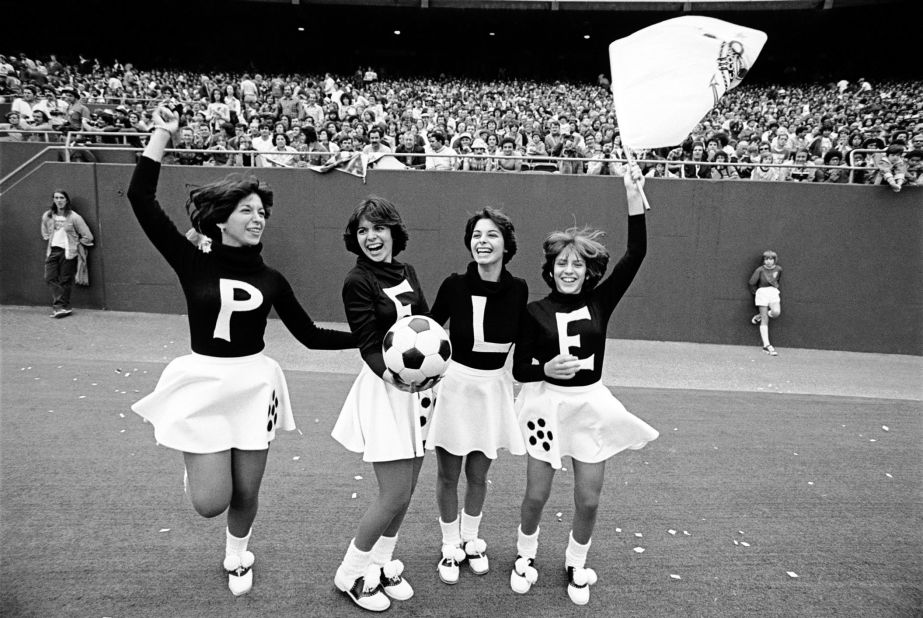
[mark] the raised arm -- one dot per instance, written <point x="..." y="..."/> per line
<point x="142" y="193"/>
<point x="623" y="273"/>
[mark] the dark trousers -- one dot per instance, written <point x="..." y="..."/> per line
<point x="59" y="275"/>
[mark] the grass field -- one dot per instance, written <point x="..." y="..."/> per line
<point x="765" y="468"/>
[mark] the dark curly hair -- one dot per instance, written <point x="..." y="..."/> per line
<point x="213" y="203"/>
<point x="503" y="222"/>
<point x="377" y="210"/>
<point x="584" y="242"/>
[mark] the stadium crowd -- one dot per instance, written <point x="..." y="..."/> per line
<point x="857" y="132"/>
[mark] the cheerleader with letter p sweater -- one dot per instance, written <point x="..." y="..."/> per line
<point x="221" y="405"/>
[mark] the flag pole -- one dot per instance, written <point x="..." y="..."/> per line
<point x="631" y="161"/>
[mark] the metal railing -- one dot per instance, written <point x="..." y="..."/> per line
<point x="530" y="163"/>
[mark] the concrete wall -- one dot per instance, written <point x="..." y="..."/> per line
<point x="851" y="255"/>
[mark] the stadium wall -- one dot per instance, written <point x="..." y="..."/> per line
<point x="851" y="254"/>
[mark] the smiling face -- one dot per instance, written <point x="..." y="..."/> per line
<point x="569" y="271"/>
<point x="487" y="245"/>
<point x="245" y="225"/>
<point x="375" y="240"/>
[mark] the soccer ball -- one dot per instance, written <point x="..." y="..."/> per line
<point x="417" y="350"/>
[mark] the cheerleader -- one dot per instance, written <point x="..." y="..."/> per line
<point x="380" y="418"/>
<point x="563" y="407"/>
<point x="764" y="285"/>
<point x="473" y="415"/>
<point x="221" y="405"/>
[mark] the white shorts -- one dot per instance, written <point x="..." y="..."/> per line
<point x="767" y="296"/>
<point x="206" y="404"/>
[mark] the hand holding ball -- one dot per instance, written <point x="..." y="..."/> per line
<point x="417" y="351"/>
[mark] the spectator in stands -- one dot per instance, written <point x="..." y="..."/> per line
<point x="409" y="151"/>
<point x="74" y="104"/>
<point x="480" y="162"/>
<point x="312" y="109"/>
<point x="659" y="170"/>
<point x="722" y="170"/>
<point x="698" y="167"/>
<point x="217" y="151"/>
<point x="821" y="144"/>
<point x="766" y="170"/>
<point x="217" y="111"/>
<point x="326" y="140"/>
<point x="781" y="147"/>
<point x="312" y="144"/>
<point x="10" y="131"/>
<point x="892" y="168"/>
<point x="188" y="143"/>
<point x="553" y="138"/>
<point x="536" y="147"/>
<point x="283" y="155"/>
<point x="804" y="170"/>
<point x="832" y="170"/>
<point x="24" y="104"/>
<point x="248" y="89"/>
<point x="375" y="145"/>
<point x="55" y="108"/>
<point x="914" y="174"/>
<point x="567" y="150"/>
<point x="446" y="159"/>
<point x="41" y="122"/>
<point x="263" y="142"/>
<point x="247" y="156"/>
<point x="348" y="146"/>
<point x="507" y="162"/>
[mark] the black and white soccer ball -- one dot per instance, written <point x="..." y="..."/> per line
<point x="417" y="350"/>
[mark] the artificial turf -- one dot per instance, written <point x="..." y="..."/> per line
<point x="739" y="490"/>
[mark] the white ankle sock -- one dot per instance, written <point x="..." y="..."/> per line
<point x="355" y="562"/>
<point x="450" y="535"/>
<point x="470" y="526"/>
<point x="527" y="544"/>
<point x="764" y="333"/>
<point x="575" y="556"/>
<point x="235" y="546"/>
<point x="383" y="550"/>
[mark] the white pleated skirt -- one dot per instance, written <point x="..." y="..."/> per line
<point x="206" y="404"/>
<point x="382" y="422"/>
<point x="586" y="423"/>
<point x="475" y="412"/>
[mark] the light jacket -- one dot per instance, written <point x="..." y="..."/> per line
<point x="75" y="229"/>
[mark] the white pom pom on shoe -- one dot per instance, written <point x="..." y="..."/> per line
<point x="523" y="575"/>
<point x="240" y="572"/>
<point x="476" y="554"/>
<point x="580" y="580"/>
<point x="452" y="555"/>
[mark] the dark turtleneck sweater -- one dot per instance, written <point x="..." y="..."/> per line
<point x="229" y="291"/>
<point x="375" y="296"/>
<point x="495" y="309"/>
<point x="585" y="317"/>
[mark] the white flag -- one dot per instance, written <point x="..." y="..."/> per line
<point x="666" y="77"/>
